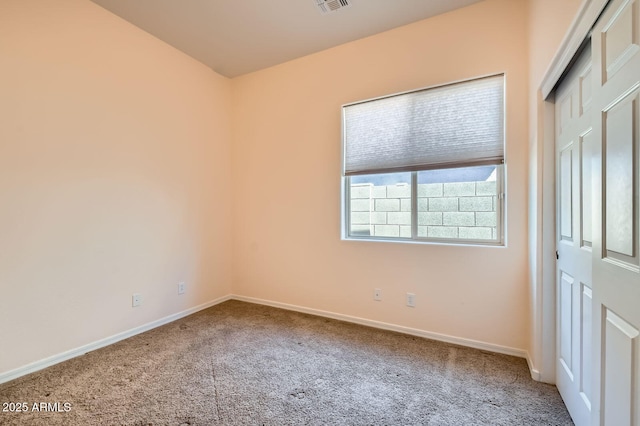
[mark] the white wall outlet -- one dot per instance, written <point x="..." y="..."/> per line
<point x="182" y="287"/>
<point x="377" y="294"/>
<point x="411" y="300"/>
<point x="136" y="300"/>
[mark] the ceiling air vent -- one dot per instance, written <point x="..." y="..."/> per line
<point x="327" y="6"/>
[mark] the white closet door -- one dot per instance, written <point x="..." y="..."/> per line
<point x="574" y="155"/>
<point x="616" y="265"/>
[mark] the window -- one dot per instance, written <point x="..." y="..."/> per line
<point x="426" y="165"/>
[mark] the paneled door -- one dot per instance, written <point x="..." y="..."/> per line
<point x="616" y="263"/>
<point x="574" y="155"/>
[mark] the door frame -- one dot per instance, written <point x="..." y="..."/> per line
<point x="543" y="208"/>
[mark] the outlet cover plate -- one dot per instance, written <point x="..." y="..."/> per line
<point x="377" y="294"/>
<point x="411" y="300"/>
<point x="136" y="300"/>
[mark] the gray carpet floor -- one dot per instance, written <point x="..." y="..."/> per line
<point x="244" y="364"/>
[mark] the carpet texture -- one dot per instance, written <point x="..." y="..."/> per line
<point x="244" y="364"/>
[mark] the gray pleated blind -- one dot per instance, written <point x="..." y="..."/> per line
<point x="457" y="125"/>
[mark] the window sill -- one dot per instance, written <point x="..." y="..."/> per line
<point x="457" y="243"/>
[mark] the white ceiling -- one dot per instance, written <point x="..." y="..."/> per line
<point x="234" y="37"/>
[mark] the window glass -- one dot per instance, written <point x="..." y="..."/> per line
<point x="380" y="205"/>
<point x="458" y="203"/>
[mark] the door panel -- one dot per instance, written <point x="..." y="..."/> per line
<point x="566" y="323"/>
<point x="565" y="115"/>
<point x="616" y="270"/>
<point x="585" y="90"/>
<point x="586" y="306"/>
<point x="566" y="193"/>
<point x="620" y="362"/>
<point x="620" y="38"/>
<point x="574" y="155"/>
<point x="619" y="142"/>
<point x="586" y="158"/>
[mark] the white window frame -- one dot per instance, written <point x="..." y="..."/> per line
<point x="500" y="211"/>
<point x="500" y="223"/>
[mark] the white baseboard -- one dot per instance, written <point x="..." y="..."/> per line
<point x="490" y="347"/>
<point x="55" y="359"/>
<point x="535" y="374"/>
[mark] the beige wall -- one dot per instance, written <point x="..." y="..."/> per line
<point x="548" y="22"/>
<point x="116" y="161"/>
<point x="114" y="178"/>
<point x="287" y="137"/>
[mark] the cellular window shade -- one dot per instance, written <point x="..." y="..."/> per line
<point x="456" y="125"/>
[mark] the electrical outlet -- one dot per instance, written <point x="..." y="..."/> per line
<point x="136" y="300"/>
<point x="411" y="300"/>
<point x="182" y="287"/>
<point x="377" y="294"/>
